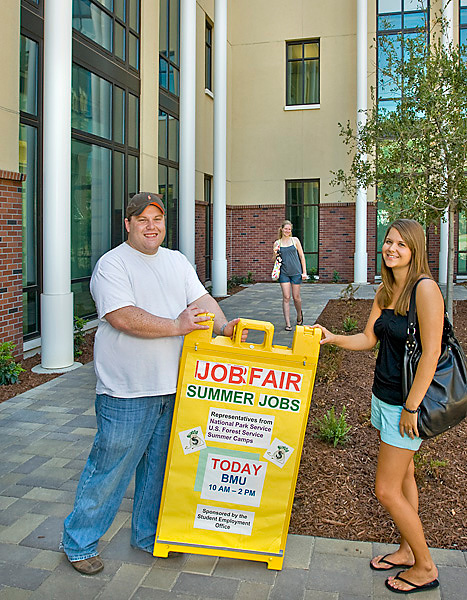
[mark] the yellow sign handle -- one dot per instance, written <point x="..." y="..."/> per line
<point x="267" y="328"/>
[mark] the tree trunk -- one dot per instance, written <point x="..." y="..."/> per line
<point x="450" y="273"/>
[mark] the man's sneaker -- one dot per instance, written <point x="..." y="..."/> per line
<point x="88" y="566"/>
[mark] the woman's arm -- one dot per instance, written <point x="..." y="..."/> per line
<point x="301" y="256"/>
<point x="359" y="341"/>
<point x="430" y="311"/>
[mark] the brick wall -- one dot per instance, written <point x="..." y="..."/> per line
<point x="200" y="245"/>
<point x="251" y="231"/>
<point x="11" y="310"/>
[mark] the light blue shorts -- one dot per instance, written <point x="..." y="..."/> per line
<point x="385" y="417"/>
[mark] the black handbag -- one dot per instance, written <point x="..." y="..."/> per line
<point x="445" y="402"/>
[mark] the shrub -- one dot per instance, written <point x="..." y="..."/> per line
<point x="335" y="276"/>
<point x="78" y="335"/>
<point x="239" y="280"/>
<point x="9" y="369"/>
<point x="348" y="292"/>
<point x="333" y="430"/>
<point x="311" y="273"/>
<point x="349" y="324"/>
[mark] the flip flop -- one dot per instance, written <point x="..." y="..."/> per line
<point x="416" y="588"/>
<point x="288" y="328"/>
<point x="387" y="562"/>
<point x="300" y="320"/>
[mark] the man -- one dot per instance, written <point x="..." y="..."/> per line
<point x="147" y="299"/>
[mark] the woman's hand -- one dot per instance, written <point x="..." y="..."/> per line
<point x="327" y="337"/>
<point x="305" y="276"/>
<point x="408" y="424"/>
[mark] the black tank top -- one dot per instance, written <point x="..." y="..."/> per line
<point x="391" y="330"/>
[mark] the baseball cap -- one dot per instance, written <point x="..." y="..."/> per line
<point x="141" y="201"/>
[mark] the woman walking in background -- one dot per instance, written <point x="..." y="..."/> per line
<point x="404" y="265"/>
<point x="293" y="271"/>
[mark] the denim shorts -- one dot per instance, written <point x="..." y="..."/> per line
<point x="385" y="417"/>
<point x="295" y="279"/>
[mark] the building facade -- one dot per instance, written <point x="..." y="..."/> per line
<point x="142" y="93"/>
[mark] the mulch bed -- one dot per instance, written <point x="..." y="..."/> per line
<point x="334" y="495"/>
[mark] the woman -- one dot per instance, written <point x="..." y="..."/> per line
<point x="404" y="263"/>
<point x="293" y="271"/>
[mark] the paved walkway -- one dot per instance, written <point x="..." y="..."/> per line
<point x="45" y="436"/>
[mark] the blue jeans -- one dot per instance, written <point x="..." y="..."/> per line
<point x="132" y="434"/>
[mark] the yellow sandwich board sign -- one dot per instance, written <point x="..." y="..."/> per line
<point x="240" y="417"/>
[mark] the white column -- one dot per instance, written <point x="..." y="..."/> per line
<point x="360" y="255"/>
<point x="448" y="36"/>
<point x="219" y="261"/>
<point x="57" y="299"/>
<point x="187" y="128"/>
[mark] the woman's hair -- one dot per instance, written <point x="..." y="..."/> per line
<point x="413" y="235"/>
<point x="283" y="224"/>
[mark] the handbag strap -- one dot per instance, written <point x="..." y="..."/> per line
<point x="412" y="319"/>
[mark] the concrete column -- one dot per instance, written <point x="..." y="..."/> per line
<point x="360" y="255"/>
<point x="448" y="36"/>
<point x="57" y="299"/>
<point x="187" y="127"/>
<point x="219" y="261"/>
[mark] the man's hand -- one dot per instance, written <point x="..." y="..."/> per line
<point x="229" y="329"/>
<point x="190" y="319"/>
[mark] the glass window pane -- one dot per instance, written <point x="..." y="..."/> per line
<point x="118" y="180"/>
<point x="463" y="2"/>
<point x="415" y="4"/>
<point x="463" y="16"/>
<point x="311" y="82"/>
<point x="387" y="6"/>
<point x="173" y="139"/>
<point x="163" y="28"/>
<point x="163" y="73"/>
<point x="134" y="15"/>
<point x="133" y="175"/>
<point x="312" y="50"/>
<point x="30" y="312"/>
<point x="414" y="20"/>
<point x="295" y="83"/>
<point x="28" y="166"/>
<point x="133" y="121"/>
<point x="294" y="193"/>
<point x="119" y="115"/>
<point x="133" y="51"/>
<point x="163" y="135"/>
<point x="173" y="80"/>
<point x="310" y="229"/>
<point x="295" y="51"/>
<point x="93" y="22"/>
<point x="107" y="3"/>
<point x="174" y="35"/>
<point x="463" y="41"/>
<point x="162" y="182"/>
<point x="90" y="206"/>
<point x="83" y="304"/>
<point x="91" y="103"/>
<point x="119" y="41"/>
<point x="387" y="46"/>
<point x="390" y="22"/>
<point x="172" y="209"/>
<point x="119" y="9"/>
<point x="29" y="52"/>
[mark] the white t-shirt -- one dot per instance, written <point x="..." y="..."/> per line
<point x="163" y="284"/>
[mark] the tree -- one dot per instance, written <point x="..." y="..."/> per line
<point x="415" y="154"/>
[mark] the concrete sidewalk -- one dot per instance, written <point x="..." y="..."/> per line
<point x="45" y="437"/>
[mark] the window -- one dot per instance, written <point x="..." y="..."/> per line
<point x="29" y="143"/>
<point x="169" y="46"/>
<point x="397" y="21"/>
<point x="302" y="73"/>
<point x="208" y="57"/>
<point x="105" y="126"/>
<point x="462" y="245"/>
<point x="463" y="26"/>
<point x="111" y="24"/>
<point x="168" y="173"/>
<point x="208" y="226"/>
<point x="302" y="209"/>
